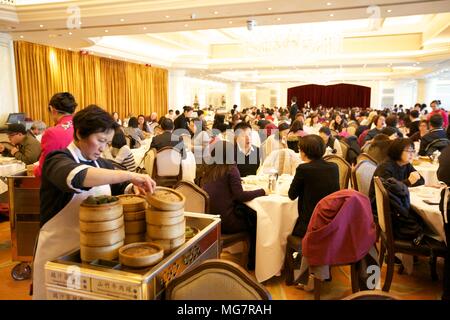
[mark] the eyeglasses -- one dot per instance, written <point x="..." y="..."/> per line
<point x="409" y="150"/>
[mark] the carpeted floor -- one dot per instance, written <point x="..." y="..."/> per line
<point x="418" y="285"/>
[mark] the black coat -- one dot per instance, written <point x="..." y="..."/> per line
<point x="293" y="111"/>
<point x="429" y="138"/>
<point x="312" y="182"/>
<point x="413" y="128"/>
<point x="406" y="224"/>
<point x="167" y="139"/>
<point x="354" y="149"/>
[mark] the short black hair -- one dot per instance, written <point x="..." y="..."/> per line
<point x="167" y="124"/>
<point x="177" y="112"/>
<point x="294" y="99"/>
<point x="64" y="102"/>
<point x="200" y="113"/>
<point x="119" y="139"/>
<point x="436" y="121"/>
<point x="170" y="110"/>
<point x="397" y="146"/>
<point x="133" y="122"/>
<point x="187" y="108"/>
<point x="296" y="126"/>
<point x="312" y="145"/>
<point x="92" y="119"/>
<point x="325" y="130"/>
<point x="242" y="126"/>
<point x="391" y="121"/>
<point x="414" y="113"/>
<point x="283" y="126"/>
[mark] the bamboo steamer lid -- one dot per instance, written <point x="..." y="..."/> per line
<point x="100" y="212"/>
<point x="138" y="226"/>
<point x="162" y="232"/>
<point x="168" y="245"/>
<point x="140" y="254"/>
<point x="165" y="218"/>
<point x="111" y="252"/>
<point x="101" y="226"/>
<point x="100" y="239"/>
<point x="135" y="237"/>
<point x="133" y="216"/>
<point x="132" y="203"/>
<point x="166" y="199"/>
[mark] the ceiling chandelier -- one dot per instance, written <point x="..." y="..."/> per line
<point x="305" y="42"/>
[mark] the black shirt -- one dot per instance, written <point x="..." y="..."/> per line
<point x="55" y="192"/>
<point x="247" y="164"/>
<point x="390" y="169"/>
<point x="430" y="137"/>
<point x="312" y="182"/>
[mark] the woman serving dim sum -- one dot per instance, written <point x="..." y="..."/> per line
<point x="71" y="175"/>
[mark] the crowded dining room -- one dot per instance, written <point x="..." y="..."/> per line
<point x="224" y="150"/>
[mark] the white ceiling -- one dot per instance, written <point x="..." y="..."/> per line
<point x="396" y="39"/>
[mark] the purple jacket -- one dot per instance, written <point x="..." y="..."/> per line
<point x="225" y="193"/>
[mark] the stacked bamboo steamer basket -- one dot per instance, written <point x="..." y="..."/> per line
<point x="102" y="230"/>
<point x="134" y="217"/>
<point x="166" y="225"/>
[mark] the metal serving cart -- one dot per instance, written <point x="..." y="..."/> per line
<point x="24" y="219"/>
<point x="67" y="278"/>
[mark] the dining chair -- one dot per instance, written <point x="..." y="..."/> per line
<point x="362" y="176"/>
<point x="430" y="248"/>
<point x="216" y="280"/>
<point x="365" y="156"/>
<point x="167" y="169"/>
<point x="344" y="169"/>
<point x="199" y="202"/>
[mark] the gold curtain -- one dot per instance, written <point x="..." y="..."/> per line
<point x="126" y="88"/>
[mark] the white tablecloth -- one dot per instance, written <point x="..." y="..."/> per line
<point x="429" y="213"/>
<point x="276" y="217"/>
<point x="429" y="172"/>
<point x="7" y="170"/>
<point x="139" y="153"/>
<point x="189" y="167"/>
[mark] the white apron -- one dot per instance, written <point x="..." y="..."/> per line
<point x="60" y="235"/>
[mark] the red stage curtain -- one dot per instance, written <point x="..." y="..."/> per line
<point x="340" y="95"/>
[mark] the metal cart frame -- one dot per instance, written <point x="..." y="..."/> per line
<point x="24" y="218"/>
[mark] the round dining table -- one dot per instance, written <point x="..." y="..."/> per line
<point x="428" y="171"/>
<point x="276" y="215"/>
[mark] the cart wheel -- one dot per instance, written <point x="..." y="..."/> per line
<point x="21" y="271"/>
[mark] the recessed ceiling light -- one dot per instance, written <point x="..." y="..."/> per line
<point x="145" y="28"/>
<point x="167" y="17"/>
<point x="230" y="22"/>
<point x="186" y="25"/>
<point x="331" y="15"/>
<point x="70" y="48"/>
<point x="70" y="33"/>
<point x="21" y="37"/>
<point x="106" y="30"/>
<point x="122" y="20"/>
<point x="109" y="57"/>
<point x="389" y="10"/>
<point x="278" y="19"/>
<point x="328" y="3"/>
<point x="79" y="22"/>
<point x="270" y="9"/>
<point x="216" y="12"/>
<point x="41" y="25"/>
